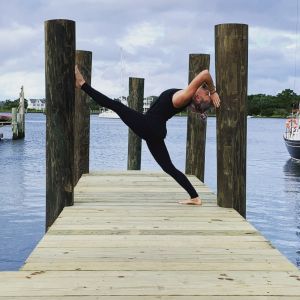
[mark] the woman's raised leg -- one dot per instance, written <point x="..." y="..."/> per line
<point x="136" y="121"/>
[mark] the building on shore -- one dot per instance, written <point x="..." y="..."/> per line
<point x="37" y="104"/>
<point x="147" y="102"/>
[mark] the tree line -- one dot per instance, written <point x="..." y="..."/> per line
<point x="7" y="105"/>
<point x="280" y="105"/>
<point x="261" y="105"/>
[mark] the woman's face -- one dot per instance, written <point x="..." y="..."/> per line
<point x="201" y="99"/>
<point x="202" y="94"/>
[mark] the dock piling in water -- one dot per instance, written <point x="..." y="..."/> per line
<point x="60" y="95"/>
<point x="135" y="101"/>
<point x="21" y="115"/>
<point x="196" y="129"/>
<point x="82" y="118"/>
<point x="231" y="45"/>
<point x="14" y="123"/>
<point x="18" y="118"/>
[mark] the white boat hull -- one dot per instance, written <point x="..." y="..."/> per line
<point x="109" y="115"/>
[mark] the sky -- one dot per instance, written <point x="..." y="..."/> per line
<point x="156" y="38"/>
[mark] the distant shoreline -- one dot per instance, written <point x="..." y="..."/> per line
<point x="178" y="115"/>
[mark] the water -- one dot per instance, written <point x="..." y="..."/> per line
<point x="273" y="180"/>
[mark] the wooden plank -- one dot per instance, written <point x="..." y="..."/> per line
<point x="146" y="297"/>
<point x="155" y="232"/>
<point x="244" y="263"/>
<point x="176" y="218"/>
<point x="141" y="283"/>
<point x="56" y="240"/>
<point x="126" y="243"/>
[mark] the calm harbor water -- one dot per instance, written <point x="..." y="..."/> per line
<point x="273" y="180"/>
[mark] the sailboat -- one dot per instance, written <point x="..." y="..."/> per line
<point x="292" y="134"/>
<point x="110" y="114"/>
<point x="107" y="113"/>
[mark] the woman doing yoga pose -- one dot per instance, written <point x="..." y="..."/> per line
<point x="151" y="126"/>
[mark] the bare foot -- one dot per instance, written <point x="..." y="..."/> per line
<point x="79" y="78"/>
<point x="194" y="201"/>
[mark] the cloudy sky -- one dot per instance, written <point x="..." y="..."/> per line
<point x="156" y="37"/>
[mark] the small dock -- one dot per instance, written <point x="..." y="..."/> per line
<point x="1" y="125"/>
<point x="4" y="124"/>
<point x="127" y="238"/>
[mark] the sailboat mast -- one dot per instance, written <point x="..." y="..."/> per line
<point x="122" y="70"/>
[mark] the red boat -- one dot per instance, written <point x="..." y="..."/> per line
<point x="5" y="118"/>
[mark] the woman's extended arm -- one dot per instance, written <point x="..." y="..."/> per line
<point x="183" y="97"/>
<point x="202" y="77"/>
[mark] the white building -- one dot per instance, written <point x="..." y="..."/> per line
<point x="147" y="102"/>
<point x="38" y="104"/>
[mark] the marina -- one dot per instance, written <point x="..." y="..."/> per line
<point x="123" y="233"/>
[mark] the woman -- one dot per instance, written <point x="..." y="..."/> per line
<point x="151" y="126"/>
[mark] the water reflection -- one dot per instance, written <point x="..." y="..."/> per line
<point x="292" y="169"/>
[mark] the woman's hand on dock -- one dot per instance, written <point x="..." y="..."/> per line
<point x="79" y="78"/>
<point x="215" y="99"/>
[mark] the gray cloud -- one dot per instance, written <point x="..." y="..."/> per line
<point x="157" y="37"/>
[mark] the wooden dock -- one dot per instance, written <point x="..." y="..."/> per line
<point x="4" y="124"/>
<point x="127" y="238"/>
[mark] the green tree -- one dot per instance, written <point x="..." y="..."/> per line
<point x="287" y="99"/>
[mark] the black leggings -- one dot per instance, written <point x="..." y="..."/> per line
<point x="149" y="128"/>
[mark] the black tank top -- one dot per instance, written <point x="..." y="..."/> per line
<point x="163" y="107"/>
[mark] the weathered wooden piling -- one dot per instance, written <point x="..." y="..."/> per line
<point x="21" y="115"/>
<point x="135" y="101"/>
<point x="14" y="123"/>
<point x="82" y="118"/>
<point x="60" y="96"/>
<point x="196" y="128"/>
<point x="18" y="118"/>
<point x="231" y="44"/>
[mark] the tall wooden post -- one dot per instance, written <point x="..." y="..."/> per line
<point x="21" y="115"/>
<point x="135" y="101"/>
<point x="231" y="44"/>
<point x="18" y="118"/>
<point x="60" y="97"/>
<point x="196" y="128"/>
<point x="82" y="118"/>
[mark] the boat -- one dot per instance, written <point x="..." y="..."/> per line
<point x="5" y="118"/>
<point x="292" y="134"/>
<point x="108" y="114"/>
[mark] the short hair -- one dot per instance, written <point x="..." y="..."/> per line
<point x="204" y="85"/>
